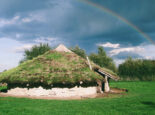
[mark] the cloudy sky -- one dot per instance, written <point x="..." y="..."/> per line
<point x="123" y="27"/>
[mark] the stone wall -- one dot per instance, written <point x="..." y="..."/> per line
<point x="54" y="92"/>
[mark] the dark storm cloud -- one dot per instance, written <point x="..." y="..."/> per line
<point x="133" y="10"/>
<point x="78" y="23"/>
<point x="11" y="7"/>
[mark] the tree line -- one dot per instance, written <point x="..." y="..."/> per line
<point x="137" y="69"/>
<point x="130" y="69"/>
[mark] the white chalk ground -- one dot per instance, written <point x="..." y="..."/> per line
<point x="54" y="92"/>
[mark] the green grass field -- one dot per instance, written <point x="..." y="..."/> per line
<point x="140" y="100"/>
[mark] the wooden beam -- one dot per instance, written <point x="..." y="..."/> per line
<point x="107" y="74"/>
<point x="89" y="63"/>
<point x="106" y="85"/>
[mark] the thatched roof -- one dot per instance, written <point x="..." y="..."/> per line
<point x="54" y="68"/>
<point x="104" y="71"/>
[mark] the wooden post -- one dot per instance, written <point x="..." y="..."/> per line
<point x="89" y="63"/>
<point x="99" y="87"/>
<point x="106" y="85"/>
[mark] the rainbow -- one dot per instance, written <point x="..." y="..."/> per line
<point x="112" y="13"/>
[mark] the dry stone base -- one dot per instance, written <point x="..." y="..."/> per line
<point x="54" y="92"/>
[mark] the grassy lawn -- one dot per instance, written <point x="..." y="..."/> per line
<point x="139" y="100"/>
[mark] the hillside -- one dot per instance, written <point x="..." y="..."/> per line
<point x="52" y="69"/>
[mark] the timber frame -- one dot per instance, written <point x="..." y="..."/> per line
<point x="106" y="76"/>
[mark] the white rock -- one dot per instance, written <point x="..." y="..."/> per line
<point x="54" y="92"/>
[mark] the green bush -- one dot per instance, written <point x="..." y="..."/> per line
<point x="35" y="51"/>
<point x="79" y="51"/>
<point x="137" y="69"/>
<point x="3" y="87"/>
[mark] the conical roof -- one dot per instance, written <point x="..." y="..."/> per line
<point x="51" y="69"/>
<point x="55" y="68"/>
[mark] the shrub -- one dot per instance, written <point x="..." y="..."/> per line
<point x="35" y="51"/>
<point x="79" y="51"/>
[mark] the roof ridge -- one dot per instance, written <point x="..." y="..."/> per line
<point x="62" y="48"/>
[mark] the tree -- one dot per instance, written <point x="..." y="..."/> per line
<point x="35" y="51"/>
<point x="79" y="51"/>
<point x="137" y="69"/>
<point x="102" y="59"/>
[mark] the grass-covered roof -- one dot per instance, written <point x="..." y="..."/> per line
<point x="51" y="69"/>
